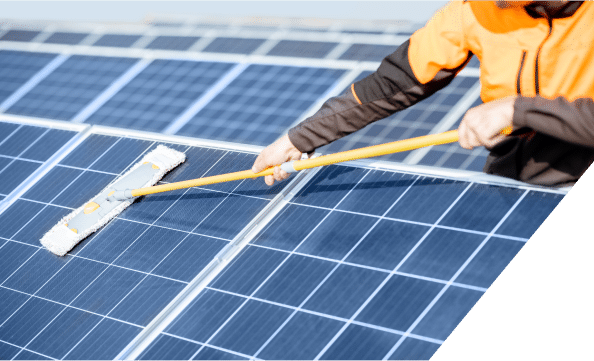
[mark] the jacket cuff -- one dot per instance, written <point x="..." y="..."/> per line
<point x="522" y="106"/>
<point x="300" y="141"/>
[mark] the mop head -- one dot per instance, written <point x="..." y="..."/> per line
<point x="93" y="215"/>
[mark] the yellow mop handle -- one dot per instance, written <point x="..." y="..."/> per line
<point x="360" y="153"/>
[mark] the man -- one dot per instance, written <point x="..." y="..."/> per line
<point x="537" y="75"/>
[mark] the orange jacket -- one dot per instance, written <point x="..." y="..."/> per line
<point x="519" y="54"/>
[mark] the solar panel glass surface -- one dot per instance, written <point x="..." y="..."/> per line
<point x="66" y="38"/>
<point x="19" y="35"/>
<point x="69" y="88"/>
<point x="94" y="301"/>
<point x="23" y="149"/>
<point x="16" y="67"/>
<point x="233" y="45"/>
<point x="158" y="94"/>
<point x="117" y="40"/>
<point x="361" y="264"/>
<point x="415" y="121"/>
<point x="261" y="103"/>
<point x="368" y="52"/>
<point x="165" y="42"/>
<point x="302" y="48"/>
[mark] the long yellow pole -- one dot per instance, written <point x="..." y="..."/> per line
<point x="360" y="153"/>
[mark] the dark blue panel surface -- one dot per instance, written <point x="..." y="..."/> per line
<point x="66" y="38"/>
<point x="20" y="214"/>
<point x="72" y="86"/>
<point x="22" y="139"/>
<point x="209" y="353"/>
<point x="329" y="186"/>
<point x="261" y="103"/>
<point x="413" y="349"/>
<point x="83" y="189"/>
<point x="302" y="338"/>
<point x="345" y="291"/>
<point x="48" y="144"/>
<point x="27" y="355"/>
<point x="233" y="45"/>
<point x="449" y="310"/>
<point x="40" y="224"/>
<point x="251" y="326"/>
<point x="6" y="129"/>
<point x="302" y="49"/>
<point x="105" y="341"/>
<point x="12" y="256"/>
<point x="158" y="94"/>
<point x="28" y="321"/>
<point x="19" y="35"/>
<point x="117" y="40"/>
<point x="16" y="67"/>
<point x="415" y="121"/>
<point x="89" y="150"/>
<point x="361" y="343"/>
<point x="122" y="155"/>
<point x="15" y="173"/>
<point x="10" y="301"/>
<point x="7" y="352"/>
<point x="368" y="52"/>
<point x="165" y="42"/>
<point x="530" y="214"/>
<point x="169" y="348"/>
<point x="200" y="320"/>
<point x="64" y="333"/>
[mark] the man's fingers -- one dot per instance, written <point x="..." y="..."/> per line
<point x="269" y="180"/>
<point x="280" y="174"/>
<point x="260" y="163"/>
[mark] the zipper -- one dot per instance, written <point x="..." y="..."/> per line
<point x="536" y="80"/>
<point x="518" y="79"/>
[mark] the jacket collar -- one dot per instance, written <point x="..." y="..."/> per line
<point x="552" y="9"/>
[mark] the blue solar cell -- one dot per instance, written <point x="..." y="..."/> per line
<point x="169" y="348"/>
<point x="117" y="40"/>
<point x="64" y="332"/>
<point x="489" y="262"/>
<point x="83" y="189"/>
<point x="6" y="129"/>
<point x="250" y="327"/>
<point x="88" y="151"/>
<point x="19" y="35"/>
<point x="368" y="52"/>
<point x="28" y="321"/>
<point x="121" y="156"/>
<point x="442" y="253"/>
<point x="302" y="49"/>
<point x="530" y="214"/>
<point x="261" y="103"/>
<point x="159" y="94"/>
<point x="473" y="63"/>
<point x="481" y="207"/>
<point x="345" y="291"/>
<point x="15" y="173"/>
<point x="233" y="45"/>
<point x="415" y="121"/>
<point x="413" y="349"/>
<point x="204" y="315"/>
<point x="35" y="272"/>
<point x="165" y="42"/>
<point x="10" y="301"/>
<point x="27" y="355"/>
<point x="209" y="353"/>
<point x="22" y="212"/>
<point x="69" y="88"/>
<point x="18" y="142"/>
<point x="447" y="313"/>
<point x="105" y="341"/>
<point x="48" y="144"/>
<point x="66" y="38"/>
<point x="16" y="67"/>
<point x="303" y="337"/>
<point x="111" y="241"/>
<point x="42" y="222"/>
<point x="7" y="352"/>
<point x="361" y="343"/>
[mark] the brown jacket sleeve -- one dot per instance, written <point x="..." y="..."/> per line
<point x="569" y="121"/>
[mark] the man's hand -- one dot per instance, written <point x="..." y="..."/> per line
<point x="277" y="153"/>
<point x="482" y="125"/>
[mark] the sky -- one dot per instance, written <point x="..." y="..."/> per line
<point x="134" y="11"/>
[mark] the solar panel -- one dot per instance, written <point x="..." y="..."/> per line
<point x="66" y="38"/>
<point x="473" y="63"/>
<point x="23" y="149"/>
<point x="302" y="49"/>
<point x="361" y="264"/>
<point x="19" y="35"/>
<point x="261" y="103"/>
<point x="16" y="67"/>
<point x="74" y="84"/>
<point x="164" y="42"/>
<point x="117" y="40"/>
<point x="368" y="52"/>
<point x="160" y="93"/>
<point x="454" y="156"/>
<point x="361" y="31"/>
<point x="233" y="45"/>
<point x="415" y="121"/>
<point x="93" y="302"/>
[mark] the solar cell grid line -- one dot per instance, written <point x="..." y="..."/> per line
<point x="159" y="94"/>
<point x="260" y="104"/>
<point x="302" y="49"/>
<point x="71" y="86"/>
<point x="335" y="267"/>
<point x="460" y="270"/>
<point x="17" y="67"/>
<point x="384" y="282"/>
<point x="258" y="288"/>
<point x="417" y="120"/>
<point x="31" y="79"/>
